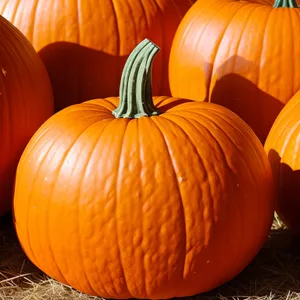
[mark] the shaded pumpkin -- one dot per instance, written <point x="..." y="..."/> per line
<point x="84" y="44"/>
<point x="239" y="54"/>
<point x="141" y="197"/>
<point x="267" y="2"/>
<point x="282" y="147"/>
<point x="26" y="101"/>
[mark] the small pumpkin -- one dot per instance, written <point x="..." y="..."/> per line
<point x="282" y="147"/>
<point x="26" y="101"/>
<point x="142" y="197"/>
<point x="239" y="54"/>
<point x="84" y="44"/>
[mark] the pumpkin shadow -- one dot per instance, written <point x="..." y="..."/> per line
<point x="6" y="221"/>
<point x="167" y="106"/>
<point x="15" y="266"/>
<point x="288" y="182"/>
<point x="79" y="73"/>
<point x="256" y="107"/>
<point x="70" y="65"/>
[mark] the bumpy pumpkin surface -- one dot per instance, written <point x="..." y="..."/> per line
<point x="239" y="54"/>
<point x="143" y="200"/>
<point x="26" y="101"/>
<point x="282" y="146"/>
<point x="84" y="44"/>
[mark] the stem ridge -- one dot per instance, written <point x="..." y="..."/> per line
<point x="285" y="3"/>
<point x="136" y="83"/>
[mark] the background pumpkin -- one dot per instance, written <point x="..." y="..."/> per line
<point x="143" y="201"/>
<point x="84" y="44"/>
<point x="282" y="146"/>
<point x="267" y="2"/>
<point x="242" y="55"/>
<point x="26" y="101"/>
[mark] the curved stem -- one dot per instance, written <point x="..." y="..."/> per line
<point x="136" y="83"/>
<point x="285" y="3"/>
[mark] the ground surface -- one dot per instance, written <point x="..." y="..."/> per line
<point x="274" y="274"/>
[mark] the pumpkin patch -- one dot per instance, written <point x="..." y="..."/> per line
<point x="140" y="197"/>
<point x="240" y="54"/>
<point x="135" y="171"/>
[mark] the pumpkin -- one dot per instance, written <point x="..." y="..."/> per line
<point x="239" y="54"/>
<point x="267" y="2"/>
<point x="26" y="101"/>
<point x="264" y="1"/>
<point x="282" y="147"/>
<point x="84" y="44"/>
<point x="141" y="197"/>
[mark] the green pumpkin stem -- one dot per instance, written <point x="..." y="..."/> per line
<point x="285" y="3"/>
<point x="136" y="83"/>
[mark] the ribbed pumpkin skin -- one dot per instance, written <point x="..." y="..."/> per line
<point x="154" y="207"/>
<point x="282" y="146"/>
<point x="26" y="101"/>
<point x="84" y="44"/>
<point x="242" y="55"/>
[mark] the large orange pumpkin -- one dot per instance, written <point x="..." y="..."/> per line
<point x="282" y="146"/>
<point x="84" y="44"/>
<point x="239" y="54"/>
<point x="26" y="101"/>
<point x="143" y="200"/>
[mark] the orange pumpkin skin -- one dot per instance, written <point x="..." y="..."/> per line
<point x="282" y="146"/>
<point x="85" y="44"/>
<point x="143" y="208"/>
<point x="26" y="101"/>
<point x="230" y="53"/>
<point x="143" y="200"/>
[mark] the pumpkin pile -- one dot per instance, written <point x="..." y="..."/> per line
<point x="137" y="173"/>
